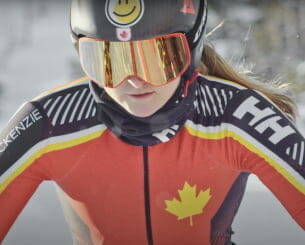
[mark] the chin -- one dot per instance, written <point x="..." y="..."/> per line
<point x="141" y="113"/>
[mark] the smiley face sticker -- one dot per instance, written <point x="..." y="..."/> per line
<point x="124" y="13"/>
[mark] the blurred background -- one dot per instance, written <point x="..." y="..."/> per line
<point x="36" y="54"/>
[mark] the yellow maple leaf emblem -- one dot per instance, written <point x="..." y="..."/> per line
<point x="190" y="204"/>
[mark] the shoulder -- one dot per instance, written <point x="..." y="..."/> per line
<point x="213" y="95"/>
<point x="67" y="87"/>
<point x="68" y="108"/>
<point x="256" y="115"/>
<point x="257" y="123"/>
<point x="225" y="104"/>
<point x="248" y="117"/>
<point x="61" y="117"/>
<point x="234" y="102"/>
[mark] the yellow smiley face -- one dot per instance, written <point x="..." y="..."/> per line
<point x="124" y="12"/>
<point x="127" y="11"/>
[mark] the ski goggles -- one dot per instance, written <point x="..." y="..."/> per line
<point x="156" y="61"/>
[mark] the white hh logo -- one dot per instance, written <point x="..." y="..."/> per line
<point x="163" y="135"/>
<point x="124" y="13"/>
<point x="249" y="106"/>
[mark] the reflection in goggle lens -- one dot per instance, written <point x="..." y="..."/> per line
<point x="156" y="61"/>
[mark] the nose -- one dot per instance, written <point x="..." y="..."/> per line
<point x="136" y="83"/>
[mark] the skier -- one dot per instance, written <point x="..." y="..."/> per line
<point x="145" y="149"/>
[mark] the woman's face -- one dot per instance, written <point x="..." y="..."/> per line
<point x="142" y="99"/>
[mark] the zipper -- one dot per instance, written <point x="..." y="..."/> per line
<point x="147" y="196"/>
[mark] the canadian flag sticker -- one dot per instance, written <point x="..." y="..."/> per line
<point x="123" y="34"/>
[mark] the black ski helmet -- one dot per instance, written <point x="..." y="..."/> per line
<point x="144" y="19"/>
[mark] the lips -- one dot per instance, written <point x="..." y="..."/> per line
<point x="142" y="95"/>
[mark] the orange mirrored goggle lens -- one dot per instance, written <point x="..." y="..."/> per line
<point x="156" y="61"/>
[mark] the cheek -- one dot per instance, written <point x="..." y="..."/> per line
<point x="168" y="90"/>
<point x="113" y="93"/>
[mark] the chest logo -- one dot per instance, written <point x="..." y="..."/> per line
<point x="166" y="134"/>
<point x="124" y="13"/>
<point x="190" y="204"/>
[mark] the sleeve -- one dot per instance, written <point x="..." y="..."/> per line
<point x="21" y="156"/>
<point x="269" y="146"/>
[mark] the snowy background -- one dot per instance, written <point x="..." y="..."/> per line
<point x="36" y="54"/>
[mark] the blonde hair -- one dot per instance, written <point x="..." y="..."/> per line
<point x="213" y="64"/>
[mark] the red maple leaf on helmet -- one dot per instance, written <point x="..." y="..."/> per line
<point x="124" y="34"/>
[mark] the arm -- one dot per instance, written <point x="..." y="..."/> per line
<point x="21" y="158"/>
<point x="271" y="147"/>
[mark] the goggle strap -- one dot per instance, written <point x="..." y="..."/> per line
<point x="188" y="83"/>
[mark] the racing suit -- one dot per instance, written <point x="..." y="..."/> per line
<point x="181" y="184"/>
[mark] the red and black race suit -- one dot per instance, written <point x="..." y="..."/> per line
<point x="184" y="190"/>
